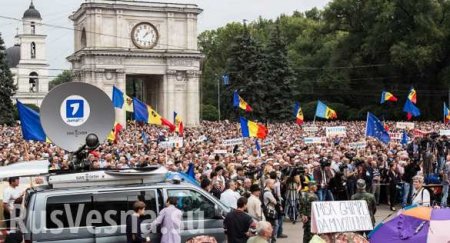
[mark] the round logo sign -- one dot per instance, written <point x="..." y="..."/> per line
<point x="75" y="110"/>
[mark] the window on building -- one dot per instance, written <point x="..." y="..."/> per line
<point x="34" y="82"/>
<point x="83" y="38"/>
<point x="33" y="28"/>
<point x="33" y="50"/>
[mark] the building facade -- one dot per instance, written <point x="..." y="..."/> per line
<point x="27" y="59"/>
<point x="146" y="49"/>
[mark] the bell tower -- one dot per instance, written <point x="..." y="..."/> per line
<point x="32" y="69"/>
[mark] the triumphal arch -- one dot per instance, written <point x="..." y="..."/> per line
<point x="146" y="49"/>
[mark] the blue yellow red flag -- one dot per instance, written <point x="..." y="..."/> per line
<point x="241" y="103"/>
<point x="323" y="111"/>
<point x="253" y="129"/>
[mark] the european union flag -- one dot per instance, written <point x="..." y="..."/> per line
<point x="374" y="128"/>
<point x="30" y="123"/>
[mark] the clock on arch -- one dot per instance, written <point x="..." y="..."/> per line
<point x="144" y="35"/>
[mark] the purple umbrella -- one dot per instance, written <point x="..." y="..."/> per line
<point x="401" y="229"/>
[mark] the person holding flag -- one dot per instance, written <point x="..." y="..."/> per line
<point x="241" y="103"/>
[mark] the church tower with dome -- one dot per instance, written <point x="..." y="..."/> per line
<point x="27" y="59"/>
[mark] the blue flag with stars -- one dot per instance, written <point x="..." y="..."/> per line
<point x="374" y="128"/>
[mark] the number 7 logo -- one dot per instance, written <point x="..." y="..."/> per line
<point x="74" y="109"/>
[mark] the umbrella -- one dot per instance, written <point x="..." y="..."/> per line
<point x="415" y="224"/>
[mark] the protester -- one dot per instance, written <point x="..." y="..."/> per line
<point x="133" y="224"/>
<point x="254" y="205"/>
<point x="230" y="197"/>
<point x="237" y="223"/>
<point x="170" y="220"/>
<point x="421" y="196"/>
<point x="12" y="195"/>
<point x="264" y="232"/>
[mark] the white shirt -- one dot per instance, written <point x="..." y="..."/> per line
<point x="254" y="207"/>
<point x="421" y="197"/>
<point x="230" y="198"/>
<point x="10" y="195"/>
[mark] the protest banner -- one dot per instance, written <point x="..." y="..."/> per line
<point x="444" y="132"/>
<point x="314" y="140"/>
<point x="172" y="142"/>
<point x="358" y="145"/>
<point x="340" y="216"/>
<point x="220" y="151"/>
<point x="395" y="135"/>
<point x="405" y="125"/>
<point x="419" y="133"/>
<point x="340" y="131"/>
<point x="233" y="141"/>
<point x="268" y="141"/>
<point x="310" y="129"/>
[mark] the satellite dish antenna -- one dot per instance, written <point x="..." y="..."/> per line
<point x="72" y="111"/>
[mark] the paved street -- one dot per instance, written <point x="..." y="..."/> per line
<point x="295" y="231"/>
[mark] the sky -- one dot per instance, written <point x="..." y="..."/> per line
<point x="216" y="13"/>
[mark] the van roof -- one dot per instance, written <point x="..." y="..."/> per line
<point x="49" y="189"/>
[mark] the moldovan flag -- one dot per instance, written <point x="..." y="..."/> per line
<point x="239" y="102"/>
<point x="121" y="100"/>
<point x="324" y="111"/>
<point x="253" y="129"/>
<point x="114" y="134"/>
<point x="446" y="114"/>
<point x="298" y="113"/>
<point x="387" y="96"/>
<point x="412" y="95"/>
<point x="178" y="124"/>
<point x="30" y="123"/>
<point x="145" y="113"/>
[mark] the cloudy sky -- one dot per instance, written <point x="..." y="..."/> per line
<point x="216" y="13"/>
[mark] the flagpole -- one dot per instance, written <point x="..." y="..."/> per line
<point x="367" y="119"/>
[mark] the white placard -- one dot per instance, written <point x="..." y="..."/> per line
<point x="173" y="142"/>
<point x="405" y="125"/>
<point x="233" y="141"/>
<point x="310" y="129"/>
<point x="340" y="131"/>
<point x="340" y="216"/>
<point x="314" y="140"/>
<point x="444" y="132"/>
<point x="358" y="145"/>
<point x="267" y="141"/>
<point x="395" y="135"/>
<point x="220" y="151"/>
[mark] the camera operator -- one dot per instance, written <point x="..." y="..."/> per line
<point x="323" y="175"/>
<point x="338" y="184"/>
<point x="442" y="146"/>
<point x="294" y="186"/>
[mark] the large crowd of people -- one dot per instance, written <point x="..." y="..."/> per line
<point x="273" y="174"/>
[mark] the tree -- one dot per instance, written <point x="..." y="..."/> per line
<point x="64" y="77"/>
<point x="278" y="78"/>
<point x="244" y="66"/>
<point x="7" y="89"/>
